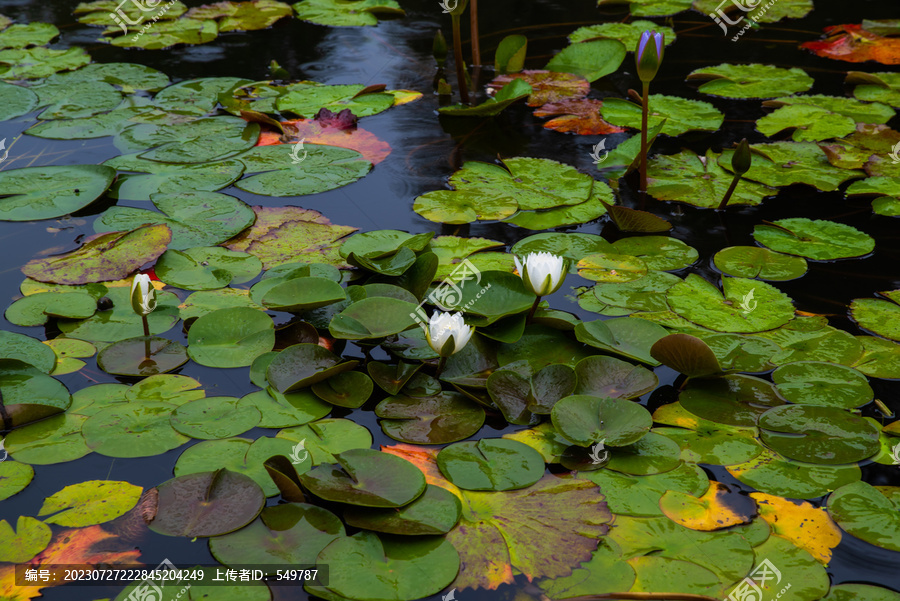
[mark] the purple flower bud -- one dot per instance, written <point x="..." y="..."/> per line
<point x="649" y="55"/>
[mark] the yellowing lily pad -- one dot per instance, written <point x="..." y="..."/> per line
<point x="719" y="507"/>
<point x="90" y="502"/>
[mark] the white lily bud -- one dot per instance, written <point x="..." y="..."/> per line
<point x="448" y="334"/>
<point x="542" y="272"/>
<point x="143" y="295"/>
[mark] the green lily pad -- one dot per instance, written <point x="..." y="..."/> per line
<point x="56" y="439"/>
<point x="652" y="454"/>
<point x="103" y="257"/>
<point x="369" y="478"/>
<point x="37" y="309"/>
<point x="231" y="337"/>
<point x="195" y="218"/>
<point x="132" y="430"/>
<point x="605" y="572"/>
<point x="735" y="400"/>
<point x="387" y="569"/>
<point x="878" y="315"/>
<point x="496" y="464"/>
<point x="302" y="365"/>
<point x="743" y="306"/>
<point x="566" y="215"/>
<point x="686" y="354"/>
<point x="17" y="101"/>
<point x="77" y="100"/>
<point x="34" y="193"/>
<point x="127" y="77"/>
<point x="772" y="474"/>
<point x="27" y="394"/>
<point x="36" y="63"/>
<point x="121" y="321"/>
<point x="435" y="512"/>
<point x="823" y="384"/>
<point x="152" y="178"/>
<point x="627" y="33"/>
<point x="645" y="294"/>
<point x="876" y="87"/>
<point x="97" y="13"/>
<point x="30" y="34"/>
<point x="197" y="141"/>
<point x="818" y="239"/>
<point x="283" y="535"/>
<point x="206" y="504"/>
<point x="712" y="443"/>
<point x="627" y="336"/>
<point x="784" y="163"/>
<point x="347" y="389"/>
<point x="880" y="358"/>
<point x="700" y="181"/>
<point x="512" y="92"/>
<point x="130" y="357"/>
<point x="572" y="246"/>
<point x="242" y="16"/>
<point x="680" y="114"/>
<point x="865" y="512"/>
<point x="783" y="9"/>
<point x="325" y="438"/>
<point x="167" y="33"/>
<point x="14" y="477"/>
<point x="214" y="417"/>
<point x="91" y="502"/>
<point x="285" y="410"/>
<point x="651" y="8"/>
<point x="751" y="81"/>
<point x="237" y="455"/>
<point x="204" y="302"/>
<point x="591" y="60"/>
<point x="756" y="262"/>
<point x="660" y="253"/>
<point x="205" y="268"/>
<point x="603" y="376"/>
<point x="803" y="341"/>
<point x="305" y="98"/>
<point x="374" y="317"/>
<point x="794" y="564"/>
<point x="439" y="419"/>
<point x="810" y="123"/>
<point x="30" y="538"/>
<point x="382" y="243"/>
<point x="612" y="268"/>
<point x="303" y="293"/>
<point x="858" y="592"/>
<point x="325" y="168"/>
<point x="28" y="350"/>
<point x="814" y="434"/>
<point x="391" y="378"/>
<point x="587" y="419"/>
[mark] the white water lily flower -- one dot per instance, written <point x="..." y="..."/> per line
<point x="143" y="295"/>
<point x="542" y="272"/>
<point x="444" y="326"/>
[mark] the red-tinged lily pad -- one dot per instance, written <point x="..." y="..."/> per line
<point x="207" y="504"/>
<point x="546" y="86"/>
<point x="312" y="131"/>
<point x="283" y="535"/>
<point x="366" y="477"/>
<point x="103" y="257"/>
<point x="435" y="512"/>
<point x="288" y="234"/>
<point x="854" y="44"/>
<point x="577" y="115"/>
<point x="438" y="419"/>
<point x="302" y="365"/>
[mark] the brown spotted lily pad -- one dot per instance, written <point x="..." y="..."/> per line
<point x="546" y="86"/>
<point x="576" y="115"/>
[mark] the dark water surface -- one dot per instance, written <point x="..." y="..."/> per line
<point x="426" y="150"/>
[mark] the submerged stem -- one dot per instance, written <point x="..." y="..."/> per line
<point x="645" y="109"/>
<point x="458" y="59"/>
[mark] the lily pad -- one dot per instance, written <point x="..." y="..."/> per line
<point x="369" y="478"/>
<point x="865" y="512"/>
<point x="775" y="475"/>
<point x="815" y="434"/>
<point x="197" y="141"/>
<point x="660" y="253"/>
<point x="36" y="63"/>
<point x="627" y="336"/>
<point x="734" y="309"/>
<point x="435" y="512"/>
<point x="585" y="419"/>
<point x="512" y="92"/>
<point x="496" y="464"/>
<point x="325" y="438"/>
<point x="592" y="60"/>
<point x="306" y="98"/>
<point x="719" y="507"/>
<point x="168" y="33"/>
<point x="34" y="193"/>
<point x="214" y="418"/>
<point x="90" y="502"/>
<point x="374" y="317"/>
<point x="14" y="477"/>
<point x="230" y="337"/>
<point x="242" y="16"/>
<point x="652" y="454"/>
<point x="56" y="439"/>
<point x="302" y="365"/>
<point x="823" y="384"/>
<point x="818" y="239"/>
<point x="438" y="419"/>
<point x="735" y="400"/>
<point x="325" y="168"/>
<point x="130" y="357"/>
<point x="680" y="114"/>
<point x="784" y="163"/>
<point x="152" y="177"/>
<point x="132" y="430"/>
<point x="756" y="262"/>
<point x="103" y="257"/>
<point x="878" y="315"/>
<point x="30" y="538"/>
<point x="37" y="309"/>
<point x="603" y="376"/>
<point x="17" y="101"/>
<point x="206" y="504"/>
<point x="751" y="81"/>
<point x="26" y="349"/>
<point x="810" y="123"/>
<point x="121" y="321"/>
<point x="627" y="33"/>
<point x="27" y="394"/>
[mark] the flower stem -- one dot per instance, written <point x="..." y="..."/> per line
<point x="458" y="59"/>
<point x="476" y="43"/>
<point x="729" y="192"/>
<point x="440" y="367"/>
<point x="533" y="309"/>
<point x="645" y="109"/>
<point x="146" y="337"/>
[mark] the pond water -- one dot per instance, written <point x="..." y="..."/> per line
<point x="425" y="150"/>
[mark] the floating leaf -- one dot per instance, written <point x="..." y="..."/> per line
<point x="312" y="131"/>
<point x="230" y="337"/>
<point x="306" y="98"/>
<point x="823" y="384"/>
<point x="205" y="268"/>
<point x="686" y="354"/>
<point x="56" y="439"/>
<point x="651" y="8"/>
<point x="644" y="294"/>
<point x="878" y="315"/>
<point x="627" y="33"/>
<point x="27" y="394"/>
<point x="578" y="115"/>
<point x="302" y="365"/>
<point x="14" y="477"/>
<point x="30" y="538"/>
<point x="121" y="321"/>
<point x="347" y="389"/>
<point x="345" y="12"/>
<point x="439" y="419"/>
<point x="132" y="430"/>
<point x="325" y="438"/>
<point x="90" y="502"/>
<point x="876" y="87"/>
<point x="167" y="33"/>
<point x="783" y="9"/>
<point x="17" y="101"/>
<point x="435" y="512"/>
<point x="810" y="123"/>
<point x="818" y="239"/>
<point x="36" y="63"/>
<point x="865" y="512"/>
<point x="591" y="60"/>
<point x="817" y="434"/>
<point x="861" y="112"/>
<point x="854" y="44"/>
<point x="612" y="268"/>
<point x="806" y="526"/>
<point x="369" y="478"/>
<point x="652" y="454"/>
<point x="496" y="464"/>
<point x="603" y="376"/>
<point x="627" y="336"/>
<point x="130" y="357"/>
<point x="27" y="349"/>
<point x="510" y="55"/>
<point x="587" y="419"/>
<point x="679" y="115"/>
<point x="735" y="400"/>
<point x="242" y="16"/>
<point x="547" y="86"/>
<point x="784" y="163"/>
<point x="756" y="262"/>
<point x="214" y="418"/>
<point x="510" y="93"/>
<point x="774" y="475"/>
<point x="660" y="253"/>
<point x="103" y="257"/>
<point x="751" y="81"/>
<point x="46" y="192"/>
<point x="325" y="168"/>
<point x="719" y="507"/>
<point x="206" y="504"/>
<point x="374" y="317"/>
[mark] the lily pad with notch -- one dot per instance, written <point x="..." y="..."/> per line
<point x="602" y="376"/>
<point x="302" y="365"/>
<point x="751" y="81"/>
<point x="680" y="114"/>
<point x="436" y="512"/>
<point x="822" y="384"/>
<point x="130" y="357"/>
<point x="34" y="193"/>
<point x="231" y="337"/>
<point x="438" y="419"/>
<point x="815" y="434"/>
<point x="735" y="400"/>
<point x="349" y="389"/>
<point x="630" y="337"/>
<point x="586" y="419"/>
<point x="756" y="262"/>
<point x="818" y="239"/>
<point x="213" y="418"/>
<point x="495" y="464"/>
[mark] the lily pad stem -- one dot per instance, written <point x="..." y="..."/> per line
<point x="645" y="109"/>
<point x="458" y="59"/>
